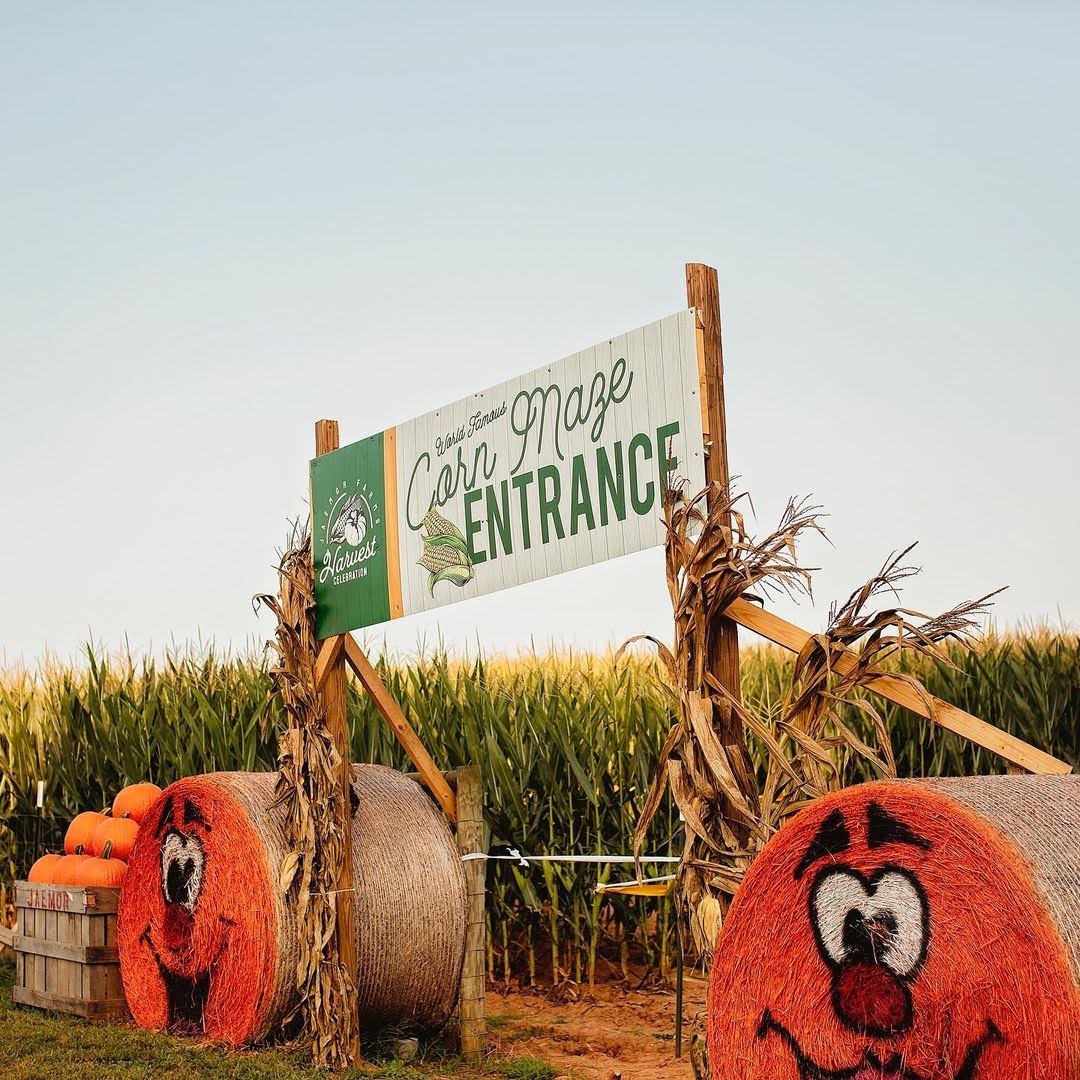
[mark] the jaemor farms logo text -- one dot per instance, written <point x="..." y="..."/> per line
<point x="348" y="523"/>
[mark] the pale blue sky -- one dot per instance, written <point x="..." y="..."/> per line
<point x="219" y="222"/>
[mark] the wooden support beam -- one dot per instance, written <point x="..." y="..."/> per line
<point x="329" y="655"/>
<point x="333" y="689"/>
<point x="721" y="659"/>
<point x="392" y="714"/>
<point x="789" y="636"/>
<point x="703" y="293"/>
<point x="470" y="838"/>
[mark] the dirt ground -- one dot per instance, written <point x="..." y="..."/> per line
<point x="609" y="1032"/>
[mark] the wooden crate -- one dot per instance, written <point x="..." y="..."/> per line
<point x="65" y="950"/>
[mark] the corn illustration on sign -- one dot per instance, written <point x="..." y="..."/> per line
<point x="554" y="470"/>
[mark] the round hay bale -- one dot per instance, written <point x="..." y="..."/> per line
<point x="925" y="930"/>
<point x="208" y="944"/>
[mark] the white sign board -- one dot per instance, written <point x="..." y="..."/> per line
<point x="557" y="469"/>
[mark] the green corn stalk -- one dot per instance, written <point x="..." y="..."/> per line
<point x="566" y="743"/>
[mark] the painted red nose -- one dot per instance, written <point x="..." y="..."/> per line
<point x="872" y="999"/>
<point x="178" y="927"/>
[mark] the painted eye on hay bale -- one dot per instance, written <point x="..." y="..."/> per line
<point x="873" y="932"/>
<point x="208" y="945"/>
<point x="182" y="864"/>
<point x="908" y="931"/>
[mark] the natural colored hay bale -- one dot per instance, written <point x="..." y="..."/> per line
<point x="923" y="930"/>
<point x="208" y="944"/>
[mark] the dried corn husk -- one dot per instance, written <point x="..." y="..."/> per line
<point x="309" y="784"/>
<point x="712" y="560"/>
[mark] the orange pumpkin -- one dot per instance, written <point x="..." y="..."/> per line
<point x="120" y="832"/>
<point x="42" y="871"/>
<point x="103" y="871"/>
<point x="64" y="870"/>
<point x="80" y="832"/>
<point x="135" y="800"/>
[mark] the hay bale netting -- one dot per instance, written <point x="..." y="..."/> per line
<point x="208" y="944"/>
<point x="917" y="930"/>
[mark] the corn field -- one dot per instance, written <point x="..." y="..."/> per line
<point x="567" y="745"/>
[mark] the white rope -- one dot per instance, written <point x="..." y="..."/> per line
<point x="524" y="860"/>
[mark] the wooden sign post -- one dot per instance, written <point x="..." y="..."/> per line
<point x="703" y="293"/>
<point x="464" y="808"/>
<point x="722" y="661"/>
<point x="334" y="693"/>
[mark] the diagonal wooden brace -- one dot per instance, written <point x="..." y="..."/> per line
<point x="391" y="712"/>
<point x="324" y="663"/>
<point x="789" y="636"/>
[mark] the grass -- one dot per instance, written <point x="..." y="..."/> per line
<point x="500" y="1020"/>
<point x="37" y="1045"/>
<point x="528" y="1068"/>
<point x="530" y="1031"/>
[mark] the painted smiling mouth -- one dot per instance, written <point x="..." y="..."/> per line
<point x="186" y="997"/>
<point x="871" y="1065"/>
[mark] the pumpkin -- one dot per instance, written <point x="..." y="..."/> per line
<point x="63" y="871"/>
<point x="135" y="800"/>
<point x="42" y="871"/>
<point x="80" y="832"/>
<point x="907" y="930"/>
<point x="120" y="832"/>
<point x="103" y="871"/>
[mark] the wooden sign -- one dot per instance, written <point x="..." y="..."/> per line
<point x="551" y="471"/>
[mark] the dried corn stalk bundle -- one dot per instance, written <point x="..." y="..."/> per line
<point x="309" y="786"/>
<point x="711" y="560"/>
<point x="812" y="745"/>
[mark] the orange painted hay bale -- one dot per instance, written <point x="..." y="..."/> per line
<point x="922" y="930"/>
<point x="208" y="944"/>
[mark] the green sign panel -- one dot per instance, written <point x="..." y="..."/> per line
<point x="349" y="537"/>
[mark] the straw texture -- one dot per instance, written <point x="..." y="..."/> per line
<point x="916" y="930"/>
<point x="208" y="941"/>
<point x="1041" y="816"/>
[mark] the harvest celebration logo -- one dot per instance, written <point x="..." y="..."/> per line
<point x="350" y="533"/>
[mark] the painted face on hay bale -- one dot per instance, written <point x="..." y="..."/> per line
<point x="889" y="932"/>
<point x="196" y="917"/>
<point x="208" y="944"/>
